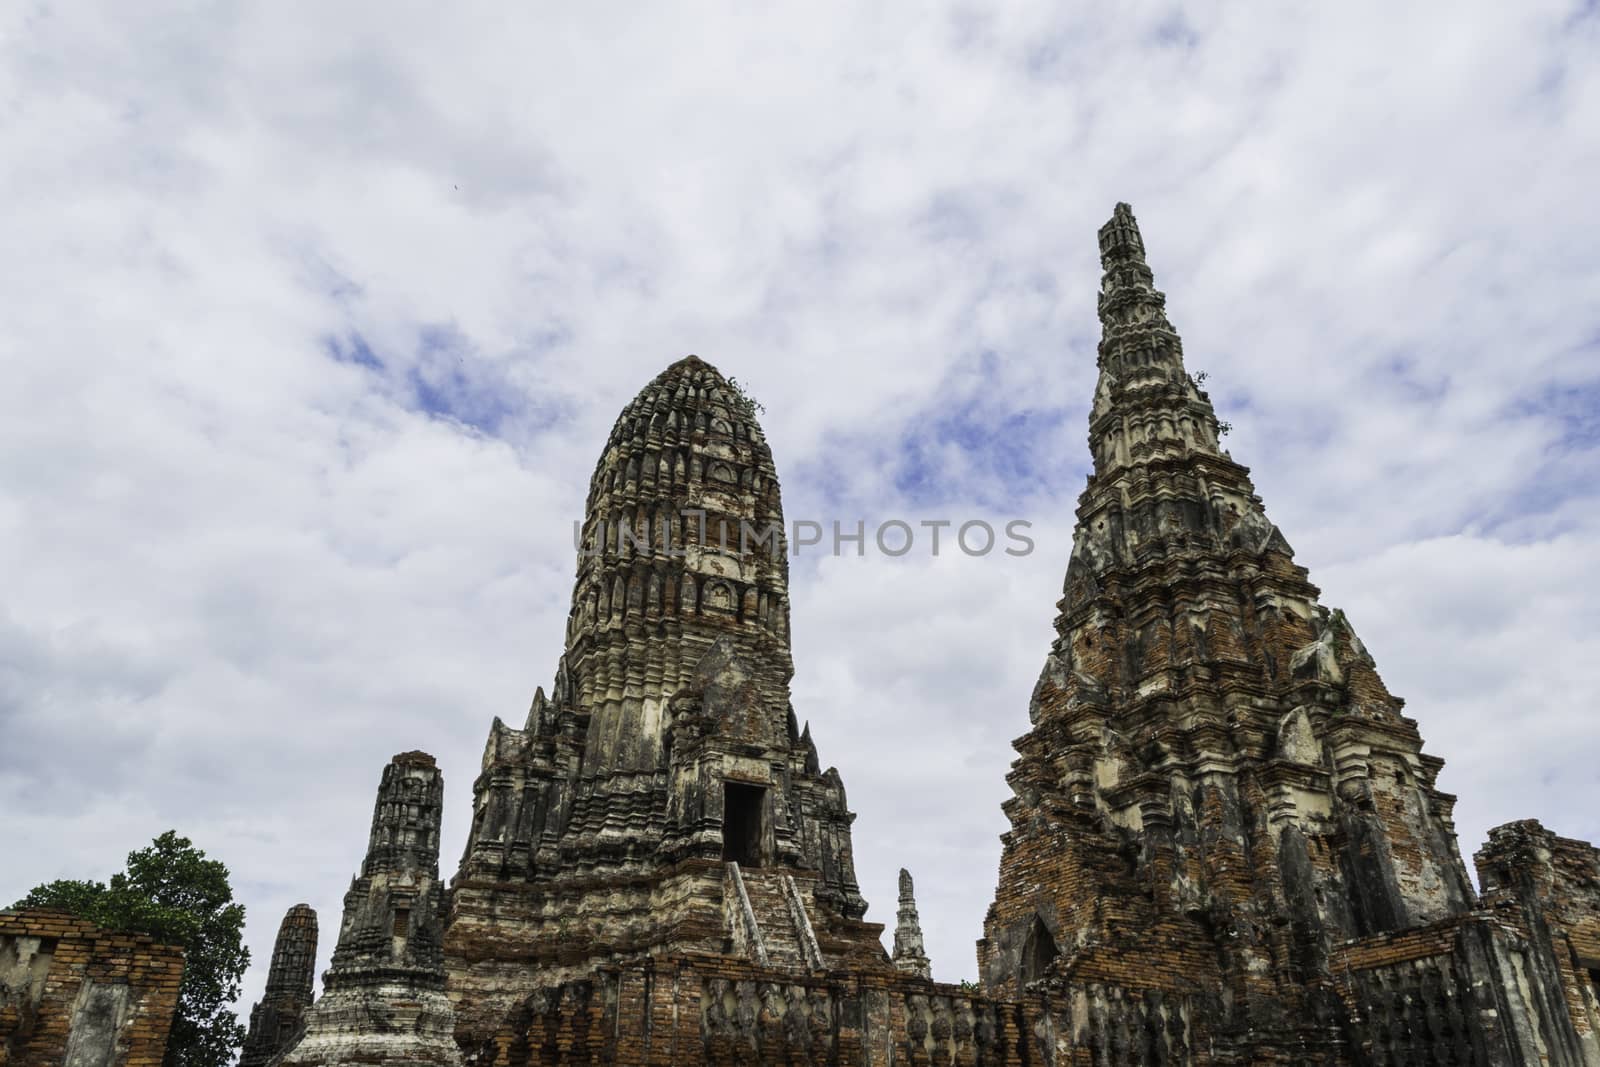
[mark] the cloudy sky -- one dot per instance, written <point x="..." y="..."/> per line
<point x="316" y="318"/>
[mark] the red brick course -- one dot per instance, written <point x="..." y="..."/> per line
<point x="55" y="955"/>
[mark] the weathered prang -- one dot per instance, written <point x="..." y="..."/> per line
<point x="1227" y="845"/>
<point x="1226" y="839"/>
<point x="663" y="799"/>
<point x="277" y="1020"/>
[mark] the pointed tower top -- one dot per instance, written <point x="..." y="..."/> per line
<point x="909" y="954"/>
<point x="405" y="817"/>
<point x="1128" y="293"/>
<point x="275" y="1019"/>
<point x="690" y="362"/>
<point x="691" y="366"/>
<point x="294" y="954"/>
<point x="1120" y="239"/>
<point x="1146" y="406"/>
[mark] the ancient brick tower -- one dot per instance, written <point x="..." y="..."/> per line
<point x="662" y="799"/>
<point x="275" y="1022"/>
<point x="383" y="997"/>
<point x="1222" y="822"/>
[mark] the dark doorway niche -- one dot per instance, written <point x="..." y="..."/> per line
<point x="1038" y="951"/>
<point x="741" y="823"/>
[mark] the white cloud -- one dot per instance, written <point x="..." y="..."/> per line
<point x="241" y="573"/>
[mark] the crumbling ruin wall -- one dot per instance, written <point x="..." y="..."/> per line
<point x="72" y="993"/>
<point x="1463" y="990"/>
<point x="1548" y="888"/>
<point x="693" y="1010"/>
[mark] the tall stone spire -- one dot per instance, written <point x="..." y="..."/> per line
<point x="1212" y="753"/>
<point x="909" y="955"/>
<point x="1146" y="406"/>
<point x="661" y="799"/>
<point x="276" y="1020"/>
<point x="387" y="965"/>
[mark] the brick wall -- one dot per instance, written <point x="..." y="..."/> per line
<point x="72" y="993"/>
<point x="1548" y="888"/>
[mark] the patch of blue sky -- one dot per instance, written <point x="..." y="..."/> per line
<point x="447" y="379"/>
<point x="318" y="273"/>
<point x="1045" y="60"/>
<point x="452" y="395"/>
<point x="451" y="380"/>
<point x="1399" y="373"/>
<point x="1235" y="406"/>
<point x="457" y="394"/>
<point x="952" y="215"/>
<point x="1584" y="10"/>
<point x="1539" y="507"/>
<point x="826" y="473"/>
<point x="352" y="348"/>
<point x="1577" y="409"/>
<point x="1175" y="31"/>
<point x="1006" y="457"/>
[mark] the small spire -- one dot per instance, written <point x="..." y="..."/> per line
<point x="537" y="710"/>
<point x="294" y="954"/>
<point x="1132" y="309"/>
<point x="813" y="763"/>
<point x="1127" y="282"/>
<point x="275" y="1020"/>
<point x="1120" y="240"/>
<point x="909" y="955"/>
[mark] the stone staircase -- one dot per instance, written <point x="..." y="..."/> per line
<point x="767" y="919"/>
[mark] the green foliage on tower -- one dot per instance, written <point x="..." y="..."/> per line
<point x="746" y="401"/>
<point x="177" y="896"/>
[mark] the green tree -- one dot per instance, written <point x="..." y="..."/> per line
<point x="177" y="896"/>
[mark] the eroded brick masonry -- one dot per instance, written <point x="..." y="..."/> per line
<point x="72" y="993"/>
<point x="1226" y="841"/>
